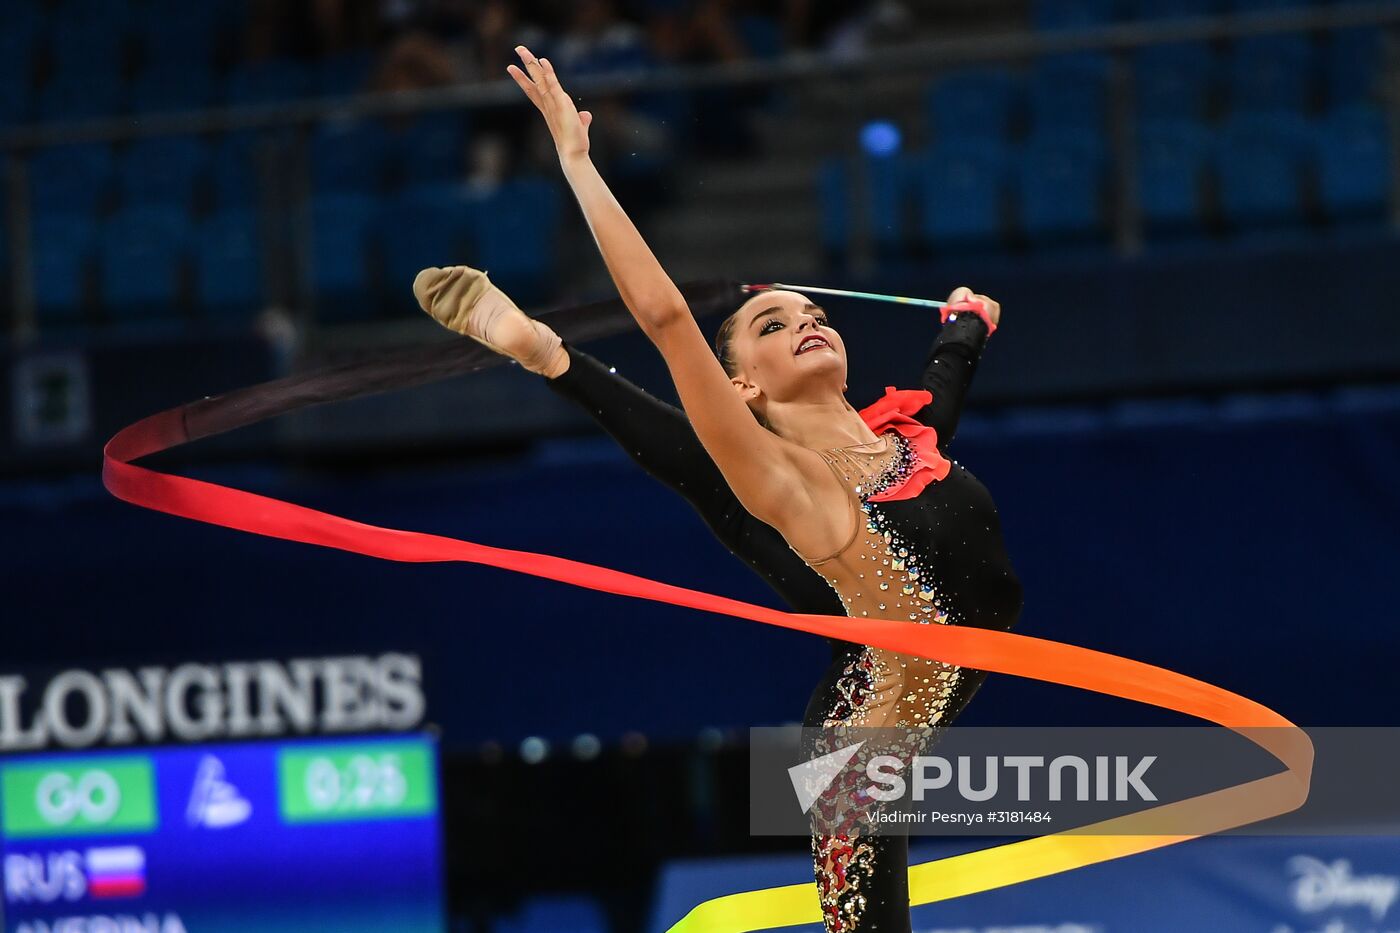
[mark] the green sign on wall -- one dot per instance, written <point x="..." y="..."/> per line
<point x="78" y="797"/>
<point x="356" y="781"/>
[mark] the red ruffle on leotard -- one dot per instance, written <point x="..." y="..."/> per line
<point x="895" y="409"/>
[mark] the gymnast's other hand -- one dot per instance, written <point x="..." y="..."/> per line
<point x="463" y="300"/>
<point x="567" y="125"/>
<point x="963" y="299"/>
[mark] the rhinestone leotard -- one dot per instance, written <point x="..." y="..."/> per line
<point x="934" y="559"/>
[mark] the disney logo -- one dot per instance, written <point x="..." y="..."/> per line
<point x="1320" y="886"/>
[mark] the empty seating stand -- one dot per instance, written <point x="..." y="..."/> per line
<point x="963" y="191"/>
<point x="229" y="273"/>
<point x="142" y="252"/>
<point x="1230" y="137"/>
<point x="1260" y="160"/>
<point x="342" y="228"/>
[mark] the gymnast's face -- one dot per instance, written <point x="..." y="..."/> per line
<point x="783" y="346"/>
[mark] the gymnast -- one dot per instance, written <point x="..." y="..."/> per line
<point x="842" y="512"/>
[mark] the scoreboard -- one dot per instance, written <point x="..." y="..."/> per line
<point x="328" y="834"/>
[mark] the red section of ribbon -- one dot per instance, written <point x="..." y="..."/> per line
<point x="983" y="649"/>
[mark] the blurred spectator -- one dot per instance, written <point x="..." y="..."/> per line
<point x="867" y="25"/>
<point x="598" y="40"/>
<point x="808" y="23"/>
<point x="309" y="28"/>
<point x="498" y="28"/>
<point x="424" y="44"/>
<point x="630" y="144"/>
<point x="701" y="31"/>
<point x="450" y="42"/>
<point x="416" y="61"/>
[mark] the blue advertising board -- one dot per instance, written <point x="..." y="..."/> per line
<point x="1217" y="884"/>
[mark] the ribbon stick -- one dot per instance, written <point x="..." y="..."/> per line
<point x="842" y="293"/>
<point x="982" y="649"/>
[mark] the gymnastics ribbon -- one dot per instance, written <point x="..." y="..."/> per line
<point x="982" y="649"/>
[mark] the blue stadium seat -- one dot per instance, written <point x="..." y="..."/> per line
<point x="761" y="35"/>
<point x="1272" y="73"/>
<point x="341" y="228"/>
<point x="1353" y="64"/>
<point x="235" y="169"/>
<point x="1260" y="161"/>
<point x="434" y="148"/>
<point x="427" y="225"/>
<point x="228" y="263"/>
<point x="344" y="74"/>
<point x="117" y="12"/>
<point x="1173" y="160"/>
<point x="18" y="41"/>
<point x="1069" y="91"/>
<point x="1173" y="81"/>
<point x="141" y="253"/>
<point x="71" y="179"/>
<point x="1172" y="9"/>
<point x="515" y="237"/>
<point x="89" y="49"/>
<point x="1264" y="6"/>
<point x="964" y="186"/>
<point x="834" y="194"/>
<point x="171" y="86"/>
<point x="80" y="97"/>
<point x="23" y="18"/>
<point x="176" y="32"/>
<point x="16" y="98"/>
<point x="61" y="250"/>
<point x="349" y="156"/>
<point x="1061" y="187"/>
<point x="973" y="104"/>
<point x="892" y="190"/>
<point x="164" y="170"/>
<point x="1354" y="163"/>
<point x="1073" y="14"/>
<point x="267" y="82"/>
<point x="627" y="51"/>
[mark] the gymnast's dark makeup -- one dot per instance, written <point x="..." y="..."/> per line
<point x="771" y="354"/>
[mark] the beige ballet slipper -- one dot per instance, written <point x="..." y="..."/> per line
<point x="463" y="300"/>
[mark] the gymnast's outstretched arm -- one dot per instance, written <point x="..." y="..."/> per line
<point x="777" y="481"/>
<point x="657" y="436"/>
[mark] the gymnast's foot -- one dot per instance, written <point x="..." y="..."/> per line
<point x="462" y="299"/>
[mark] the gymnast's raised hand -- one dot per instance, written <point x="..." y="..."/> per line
<point x="567" y="125"/>
<point x="462" y="298"/>
<point x="780" y="481"/>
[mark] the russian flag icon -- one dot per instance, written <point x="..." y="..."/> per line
<point x="116" y="871"/>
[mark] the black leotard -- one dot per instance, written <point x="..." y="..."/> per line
<point x="952" y="529"/>
<point x="658" y="436"/>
